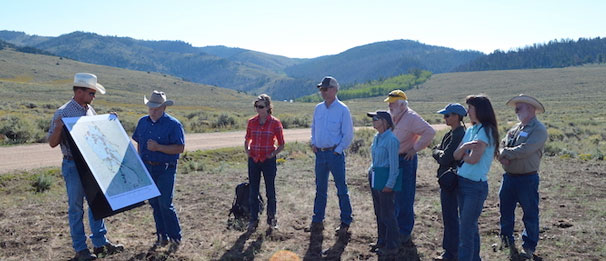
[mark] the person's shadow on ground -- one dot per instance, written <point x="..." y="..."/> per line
<point x="335" y="252"/>
<point x="237" y="251"/>
<point x="408" y="252"/>
<point x="153" y="253"/>
<point x="314" y="250"/>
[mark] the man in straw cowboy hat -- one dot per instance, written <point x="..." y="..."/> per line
<point x="520" y="156"/>
<point x="85" y="88"/>
<point x="160" y="139"/>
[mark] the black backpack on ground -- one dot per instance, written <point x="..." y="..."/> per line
<point x="239" y="207"/>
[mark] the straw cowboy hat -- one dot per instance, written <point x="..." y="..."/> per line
<point x="88" y="80"/>
<point x="527" y="99"/>
<point x="156" y="100"/>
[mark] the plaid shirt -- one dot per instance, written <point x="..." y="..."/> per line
<point x="261" y="139"/>
<point x="69" y="109"/>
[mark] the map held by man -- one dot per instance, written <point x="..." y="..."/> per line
<point x="112" y="159"/>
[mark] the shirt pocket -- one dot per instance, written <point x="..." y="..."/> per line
<point x="521" y="139"/>
<point x="333" y="126"/>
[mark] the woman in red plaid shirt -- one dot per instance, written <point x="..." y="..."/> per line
<point x="262" y="132"/>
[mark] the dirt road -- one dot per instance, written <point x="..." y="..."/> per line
<point x="26" y="157"/>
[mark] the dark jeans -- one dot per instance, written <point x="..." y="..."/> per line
<point x="387" y="225"/>
<point x="450" y="217"/>
<point x="268" y="167"/>
<point x="327" y="162"/>
<point x="405" y="198"/>
<point x="471" y="196"/>
<point x="167" y="222"/>
<point x="524" y="190"/>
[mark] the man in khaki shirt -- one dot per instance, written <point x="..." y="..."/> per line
<point x="520" y="156"/>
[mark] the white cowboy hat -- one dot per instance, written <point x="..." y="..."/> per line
<point x="88" y="80"/>
<point x="156" y="100"/>
<point x="527" y="99"/>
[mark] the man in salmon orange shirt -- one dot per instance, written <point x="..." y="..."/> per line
<point x="414" y="134"/>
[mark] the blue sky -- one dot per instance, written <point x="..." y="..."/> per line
<point x="313" y="28"/>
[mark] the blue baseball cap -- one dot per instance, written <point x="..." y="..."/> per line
<point x="454" y="108"/>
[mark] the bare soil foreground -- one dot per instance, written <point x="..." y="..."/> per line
<point x="33" y="226"/>
<point x="27" y="157"/>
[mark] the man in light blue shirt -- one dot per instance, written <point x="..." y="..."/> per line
<point x="331" y="134"/>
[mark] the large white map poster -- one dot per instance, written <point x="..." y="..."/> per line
<point x="112" y="159"/>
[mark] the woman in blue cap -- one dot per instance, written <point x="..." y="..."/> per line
<point x="453" y="116"/>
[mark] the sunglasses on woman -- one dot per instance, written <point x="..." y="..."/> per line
<point x="259" y="106"/>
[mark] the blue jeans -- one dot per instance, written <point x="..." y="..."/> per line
<point x="387" y="225"/>
<point x="327" y="161"/>
<point x="405" y="198"/>
<point x="268" y="167"/>
<point x="450" y="217"/>
<point x="75" y="212"/>
<point x="523" y="190"/>
<point x="471" y="196"/>
<point x="167" y="222"/>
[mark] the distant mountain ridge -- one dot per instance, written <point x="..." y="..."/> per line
<point x="555" y="54"/>
<point x="246" y="70"/>
<point x="383" y="60"/>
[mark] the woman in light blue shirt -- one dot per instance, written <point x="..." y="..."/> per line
<point x="478" y="147"/>
<point x="384" y="177"/>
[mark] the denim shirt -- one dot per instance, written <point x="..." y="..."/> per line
<point x="166" y="131"/>
<point x="385" y="154"/>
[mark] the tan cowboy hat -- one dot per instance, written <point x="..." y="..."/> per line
<point x="88" y="80"/>
<point x="527" y="99"/>
<point x="156" y="100"/>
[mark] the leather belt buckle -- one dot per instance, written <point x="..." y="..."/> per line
<point x="327" y="149"/>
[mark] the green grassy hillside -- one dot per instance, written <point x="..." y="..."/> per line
<point x="33" y="86"/>
<point x="574" y="99"/>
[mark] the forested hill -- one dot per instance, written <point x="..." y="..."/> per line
<point x="246" y="70"/>
<point x="381" y="60"/>
<point x="555" y="54"/>
<point x="376" y="88"/>
<point x="26" y="49"/>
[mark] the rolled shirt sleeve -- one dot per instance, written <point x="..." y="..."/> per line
<point x="426" y="132"/>
<point x="346" y="130"/>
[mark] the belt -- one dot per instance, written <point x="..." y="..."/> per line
<point x="65" y="157"/>
<point x="327" y="149"/>
<point x="154" y="163"/>
<point x="522" y="174"/>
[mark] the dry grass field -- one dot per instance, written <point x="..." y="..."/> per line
<point x="34" y="225"/>
<point x="33" y="86"/>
